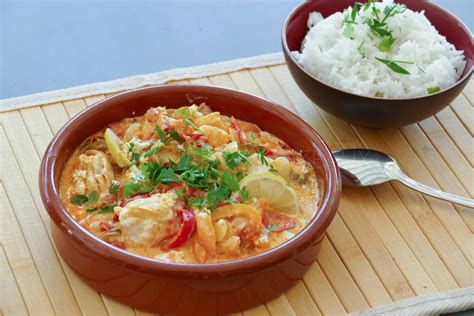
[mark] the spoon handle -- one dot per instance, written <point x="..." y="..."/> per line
<point x="409" y="182"/>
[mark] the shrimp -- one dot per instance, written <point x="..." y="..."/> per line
<point x="244" y="219"/>
<point x="206" y="233"/>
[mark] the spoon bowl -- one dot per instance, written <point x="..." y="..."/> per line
<point x="365" y="167"/>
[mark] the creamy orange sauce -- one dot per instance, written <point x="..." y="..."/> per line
<point x="189" y="185"/>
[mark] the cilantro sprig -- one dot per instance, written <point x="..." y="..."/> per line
<point x="235" y="159"/>
<point x="394" y="65"/>
<point x="85" y="200"/>
<point x="432" y="90"/>
<point x="378" y="29"/>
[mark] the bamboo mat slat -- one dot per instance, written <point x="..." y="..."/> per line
<point x="386" y="243"/>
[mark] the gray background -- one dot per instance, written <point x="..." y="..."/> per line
<point x="47" y="45"/>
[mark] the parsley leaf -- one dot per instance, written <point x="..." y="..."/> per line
<point x="167" y="175"/>
<point x="151" y="171"/>
<point x="195" y="177"/>
<point x="386" y="43"/>
<point x="348" y="30"/>
<point x="244" y="194"/>
<point x="131" y="188"/>
<point x="432" y="90"/>
<point x="355" y="10"/>
<point x="261" y="156"/>
<point x="203" y="153"/>
<point x="92" y="197"/>
<point x="175" y="135"/>
<point x="392" y="64"/>
<point x="162" y="134"/>
<point x="107" y="209"/>
<point x="217" y="195"/>
<point x="184" y="163"/>
<point x="359" y="49"/>
<point x="230" y="180"/>
<point x="377" y="28"/>
<point x="152" y="151"/>
<point x="189" y="123"/>
<point x="79" y="199"/>
<point x="87" y="201"/>
<point x="235" y="159"/>
<point x="114" y="186"/>
<point x="366" y="5"/>
<point x="135" y="155"/>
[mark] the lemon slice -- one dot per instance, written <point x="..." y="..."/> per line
<point x="273" y="188"/>
<point x="114" y="143"/>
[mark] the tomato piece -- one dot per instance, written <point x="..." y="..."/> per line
<point x="188" y="223"/>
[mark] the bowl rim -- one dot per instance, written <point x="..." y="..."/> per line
<point x="64" y="221"/>
<point x="287" y="52"/>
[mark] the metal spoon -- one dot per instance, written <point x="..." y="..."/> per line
<point x="365" y="167"/>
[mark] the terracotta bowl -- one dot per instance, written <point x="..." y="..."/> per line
<point x="177" y="288"/>
<point x="373" y="111"/>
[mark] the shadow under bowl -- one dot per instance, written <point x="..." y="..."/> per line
<point x="178" y="288"/>
<point x="372" y="111"/>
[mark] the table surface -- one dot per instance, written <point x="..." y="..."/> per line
<point x="386" y="243"/>
<point x="47" y="45"/>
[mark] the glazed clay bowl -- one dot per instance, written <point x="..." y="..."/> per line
<point x="178" y="288"/>
<point x="373" y="111"/>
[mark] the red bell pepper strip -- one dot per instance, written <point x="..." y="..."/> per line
<point x="187" y="227"/>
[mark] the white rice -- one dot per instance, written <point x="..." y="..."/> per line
<point x="336" y="59"/>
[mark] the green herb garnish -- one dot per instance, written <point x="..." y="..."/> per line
<point x="79" y="199"/>
<point x="359" y="49"/>
<point x="162" y="134"/>
<point x="235" y="159"/>
<point x="393" y="64"/>
<point x="230" y="180"/>
<point x="155" y="149"/>
<point x="167" y="176"/>
<point x="432" y="90"/>
<point x="107" y="209"/>
<point x="87" y="200"/>
<point x="188" y="122"/>
<point x="244" y="194"/>
<point x="175" y="135"/>
<point x="184" y="163"/>
<point x="261" y="156"/>
<point x="196" y="177"/>
<point x="114" y="186"/>
<point x="386" y="43"/>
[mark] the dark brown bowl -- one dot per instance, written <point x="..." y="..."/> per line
<point x="373" y="111"/>
<point x="188" y="288"/>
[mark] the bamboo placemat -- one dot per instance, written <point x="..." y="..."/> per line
<point x="386" y="243"/>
